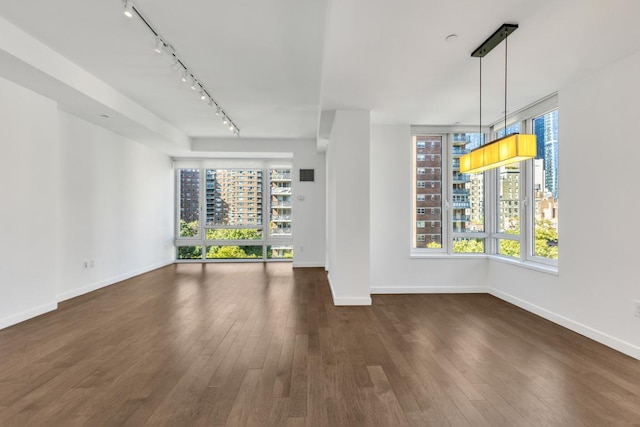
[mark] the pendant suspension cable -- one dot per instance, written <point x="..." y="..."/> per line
<point x="480" y="123"/>
<point x="505" y="82"/>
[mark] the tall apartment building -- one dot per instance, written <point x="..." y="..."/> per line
<point x="509" y="197"/>
<point x="546" y="130"/>
<point x="189" y="194"/>
<point x="428" y="227"/>
<point x="460" y="188"/>
<point x="233" y="196"/>
<point x="280" y="188"/>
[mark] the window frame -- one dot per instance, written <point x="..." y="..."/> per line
<point x="526" y="200"/>
<point x="201" y="240"/>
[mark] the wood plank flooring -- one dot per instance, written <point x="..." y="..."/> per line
<point x="263" y="345"/>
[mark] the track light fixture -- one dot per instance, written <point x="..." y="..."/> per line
<point x="128" y="8"/>
<point x="161" y="46"/>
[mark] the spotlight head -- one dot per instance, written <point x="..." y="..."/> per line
<point x="225" y="120"/>
<point x="194" y="83"/>
<point x="232" y="128"/>
<point x="218" y="111"/>
<point x="183" y="77"/>
<point x="128" y="8"/>
<point x="159" y="45"/>
<point x="203" y="96"/>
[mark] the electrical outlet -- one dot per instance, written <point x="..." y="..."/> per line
<point x="85" y="264"/>
<point x="636" y="311"/>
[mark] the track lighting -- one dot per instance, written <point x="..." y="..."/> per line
<point x="128" y="8"/>
<point x="186" y="74"/>
<point x="159" y="45"/>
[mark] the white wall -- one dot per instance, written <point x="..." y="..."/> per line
<point x="116" y="207"/>
<point x="28" y="196"/>
<point x="308" y="223"/>
<point x="71" y="192"/>
<point x="348" y="201"/>
<point x="392" y="270"/>
<point x="599" y="254"/>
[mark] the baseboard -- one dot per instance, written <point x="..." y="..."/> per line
<point x="348" y="300"/>
<point x="307" y="264"/>
<point x="110" y="281"/>
<point x="28" y="314"/>
<point x="429" y="290"/>
<point x="606" y="339"/>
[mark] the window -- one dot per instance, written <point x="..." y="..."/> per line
<point x="510" y="212"/>
<point x="467" y="207"/>
<point x="545" y="188"/>
<point x="428" y="193"/>
<point x="233" y="214"/>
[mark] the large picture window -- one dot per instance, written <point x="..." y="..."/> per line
<point x="510" y="212"/>
<point x="224" y="218"/>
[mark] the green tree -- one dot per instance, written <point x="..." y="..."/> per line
<point x="546" y="238"/>
<point x="468" y="246"/>
<point x="188" y="229"/>
<point x="234" y="234"/>
<point x="234" y="252"/>
<point x="189" y="252"/>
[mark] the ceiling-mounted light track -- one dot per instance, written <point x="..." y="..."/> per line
<point x="510" y="148"/>
<point x="161" y="46"/>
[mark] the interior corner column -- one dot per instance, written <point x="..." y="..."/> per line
<point x="348" y="208"/>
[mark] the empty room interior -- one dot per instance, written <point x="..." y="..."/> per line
<point x="319" y="212"/>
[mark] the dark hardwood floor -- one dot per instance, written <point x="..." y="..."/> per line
<point x="263" y="345"/>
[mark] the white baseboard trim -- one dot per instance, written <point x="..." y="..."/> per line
<point x="110" y="281"/>
<point x="307" y="264"/>
<point x="28" y="314"/>
<point x="429" y="290"/>
<point x="601" y="337"/>
<point x="347" y="300"/>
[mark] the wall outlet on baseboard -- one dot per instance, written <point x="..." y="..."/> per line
<point x="636" y="309"/>
<point x="85" y="264"/>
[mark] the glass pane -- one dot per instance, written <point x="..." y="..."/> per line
<point x="428" y="190"/>
<point x="190" y="252"/>
<point x="280" y="207"/>
<point x="280" y="252"/>
<point x="509" y="199"/>
<point x="546" y="186"/>
<point x="234" y="234"/>
<point x="233" y="196"/>
<point x="234" y="252"/>
<point x="468" y="189"/>
<point x="468" y="246"/>
<point x="510" y="248"/>
<point x="189" y="202"/>
<point x="513" y="128"/>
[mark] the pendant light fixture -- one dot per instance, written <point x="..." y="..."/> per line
<point x="511" y="148"/>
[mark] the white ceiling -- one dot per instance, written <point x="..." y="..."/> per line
<point x="275" y="64"/>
